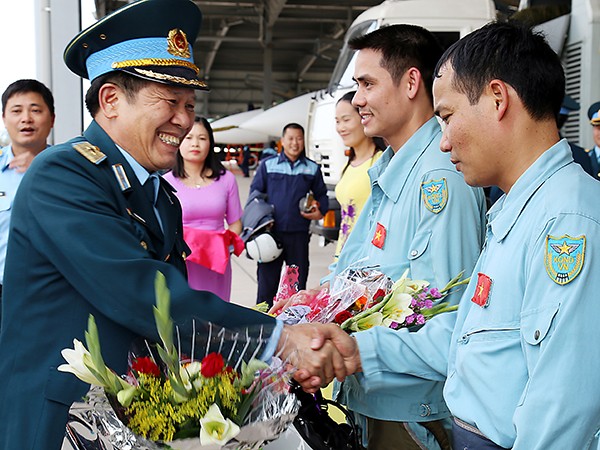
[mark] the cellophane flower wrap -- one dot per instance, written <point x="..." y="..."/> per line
<point x="363" y="297"/>
<point x="212" y="393"/>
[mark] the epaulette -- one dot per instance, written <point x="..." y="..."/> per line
<point x="90" y="152"/>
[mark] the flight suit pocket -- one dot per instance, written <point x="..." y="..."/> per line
<point x="5" y="202"/>
<point x="536" y="326"/>
<point x="419" y="258"/>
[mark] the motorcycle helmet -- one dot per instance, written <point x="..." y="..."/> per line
<point x="263" y="248"/>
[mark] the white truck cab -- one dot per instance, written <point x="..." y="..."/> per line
<point x="449" y="21"/>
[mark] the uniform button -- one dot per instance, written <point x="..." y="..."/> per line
<point x="144" y="245"/>
<point x="536" y="335"/>
<point x="414" y="253"/>
<point x="425" y="410"/>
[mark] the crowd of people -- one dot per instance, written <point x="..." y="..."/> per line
<point x="86" y="225"/>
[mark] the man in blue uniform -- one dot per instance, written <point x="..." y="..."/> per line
<point x="28" y="115"/>
<point x="286" y="180"/>
<point x="93" y="222"/>
<point x="594" y="152"/>
<point x="520" y="358"/>
<point x="421" y="216"/>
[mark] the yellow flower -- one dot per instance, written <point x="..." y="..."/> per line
<point x="215" y="429"/>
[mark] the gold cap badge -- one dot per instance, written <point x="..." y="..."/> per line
<point x="178" y="43"/>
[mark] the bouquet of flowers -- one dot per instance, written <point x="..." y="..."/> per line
<point x="226" y="397"/>
<point x="361" y="298"/>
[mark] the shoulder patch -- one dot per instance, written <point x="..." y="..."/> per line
<point x="435" y="195"/>
<point x="564" y="257"/>
<point x="90" y="152"/>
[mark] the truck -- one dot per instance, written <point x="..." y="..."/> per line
<point x="572" y="27"/>
<point x="449" y="21"/>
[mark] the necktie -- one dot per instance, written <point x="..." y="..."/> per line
<point x="151" y="187"/>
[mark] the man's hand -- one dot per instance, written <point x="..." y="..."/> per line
<point x="303" y="297"/>
<point x="321" y="352"/>
<point x="21" y="162"/>
<point x="313" y="212"/>
<point x="317" y="366"/>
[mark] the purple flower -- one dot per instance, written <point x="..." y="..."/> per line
<point x="422" y="296"/>
<point x="420" y="319"/>
<point x="413" y="303"/>
<point x="427" y="304"/>
<point x="410" y="319"/>
<point x="435" y="293"/>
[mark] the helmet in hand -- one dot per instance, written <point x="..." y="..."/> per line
<point x="263" y="248"/>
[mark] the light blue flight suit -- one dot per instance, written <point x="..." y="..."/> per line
<point x="524" y="367"/>
<point x="434" y="225"/>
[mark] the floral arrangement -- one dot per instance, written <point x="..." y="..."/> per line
<point x="363" y="298"/>
<point x="172" y="398"/>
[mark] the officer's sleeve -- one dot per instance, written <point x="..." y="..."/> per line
<point x="75" y="220"/>
<point x="560" y="332"/>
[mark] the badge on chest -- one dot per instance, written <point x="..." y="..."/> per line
<point x="481" y="296"/>
<point x="379" y="236"/>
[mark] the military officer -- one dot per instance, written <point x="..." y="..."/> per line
<point x="93" y="223"/>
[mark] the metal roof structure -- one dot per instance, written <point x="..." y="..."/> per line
<point x="256" y="53"/>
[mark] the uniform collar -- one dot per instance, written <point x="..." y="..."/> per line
<point x="283" y="158"/>
<point x="505" y="212"/>
<point x="6" y="157"/>
<point x="392" y="171"/>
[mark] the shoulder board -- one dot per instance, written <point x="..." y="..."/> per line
<point x="90" y="152"/>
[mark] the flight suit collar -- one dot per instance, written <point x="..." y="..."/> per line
<point x="505" y="212"/>
<point x="391" y="171"/>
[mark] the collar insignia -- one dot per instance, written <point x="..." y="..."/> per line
<point x="564" y="257"/>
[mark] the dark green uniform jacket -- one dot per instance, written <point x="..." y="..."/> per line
<point x="82" y="243"/>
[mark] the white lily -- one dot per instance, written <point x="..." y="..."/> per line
<point x="397" y="308"/>
<point x="215" y="429"/>
<point x="78" y="360"/>
<point x="190" y="375"/>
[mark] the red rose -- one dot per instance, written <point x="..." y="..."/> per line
<point x="145" y="365"/>
<point x="212" y="365"/>
<point x="378" y="295"/>
<point x="342" y="316"/>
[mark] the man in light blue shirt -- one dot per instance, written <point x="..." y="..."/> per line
<point x="520" y="357"/>
<point x="421" y="216"/>
<point x="28" y="115"/>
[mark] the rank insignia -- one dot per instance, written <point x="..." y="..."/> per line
<point x="379" y="236"/>
<point x="481" y="296"/>
<point x="121" y="177"/>
<point x="178" y="44"/>
<point x="564" y="257"/>
<point x="435" y="195"/>
<point x="90" y="152"/>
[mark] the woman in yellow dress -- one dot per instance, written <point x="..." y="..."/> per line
<point x="354" y="187"/>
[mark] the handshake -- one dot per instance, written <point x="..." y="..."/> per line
<point x="321" y="352"/>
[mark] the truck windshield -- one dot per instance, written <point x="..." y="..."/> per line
<point x="344" y="68"/>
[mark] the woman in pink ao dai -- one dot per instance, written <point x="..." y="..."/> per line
<point x="209" y="199"/>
